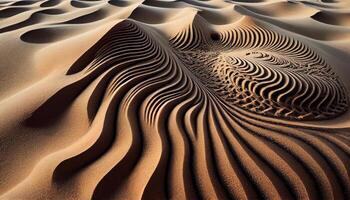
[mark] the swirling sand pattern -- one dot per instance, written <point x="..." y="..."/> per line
<point x="268" y="73"/>
<point x="185" y="141"/>
<point x="205" y="114"/>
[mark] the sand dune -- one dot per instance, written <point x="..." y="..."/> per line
<point x="174" y="99"/>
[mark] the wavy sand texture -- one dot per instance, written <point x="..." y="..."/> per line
<point x="174" y="99"/>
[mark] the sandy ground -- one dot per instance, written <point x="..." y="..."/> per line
<point x="174" y="99"/>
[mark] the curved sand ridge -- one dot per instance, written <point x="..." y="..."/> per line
<point x="183" y="109"/>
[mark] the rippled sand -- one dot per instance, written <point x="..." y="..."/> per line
<point x="174" y="99"/>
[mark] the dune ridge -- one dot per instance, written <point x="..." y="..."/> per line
<point x="178" y="105"/>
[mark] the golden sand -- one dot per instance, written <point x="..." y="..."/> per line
<point x="174" y="99"/>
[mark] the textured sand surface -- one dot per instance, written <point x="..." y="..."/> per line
<point x="174" y="99"/>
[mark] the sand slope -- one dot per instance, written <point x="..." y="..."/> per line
<point x="174" y="99"/>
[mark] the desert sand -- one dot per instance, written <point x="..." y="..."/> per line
<point x="116" y="99"/>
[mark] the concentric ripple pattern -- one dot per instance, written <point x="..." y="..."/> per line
<point x="264" y="72"/>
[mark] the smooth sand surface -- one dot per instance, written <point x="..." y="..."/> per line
<point x="116" y="99"/>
